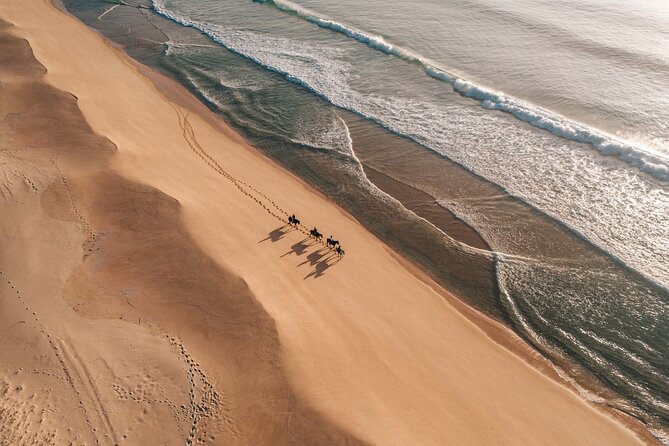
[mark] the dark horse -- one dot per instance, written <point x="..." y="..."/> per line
<point x="292" y="220"/>
<point x="340" y="251"/>
<point x="332" y="243"/>
<point x="315" y="234"/>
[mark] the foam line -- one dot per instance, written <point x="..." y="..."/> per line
<point x="609" y="145"/>
<point x="278" y="55"/>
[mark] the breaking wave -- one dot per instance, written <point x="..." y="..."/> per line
<point x="539" y="117"/>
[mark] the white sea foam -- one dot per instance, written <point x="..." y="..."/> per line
<point x="203" y="92"/>
<point x="582" y="325"/>
<point x="178" y="48"/>
<point x="637" y="156"/>
<point x="521" y="321"/>
<point x="653" y="164"/>
<point x="330" y="133"/>
<point x="107" y="11"/>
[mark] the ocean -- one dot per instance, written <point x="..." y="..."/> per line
<point x="518" y="151"/>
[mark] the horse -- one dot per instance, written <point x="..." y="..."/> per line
<point x="340" y="251"/>
<point x="315" y="234"/>
<point x="292" y="220"/>
<point x="332" y="243"/>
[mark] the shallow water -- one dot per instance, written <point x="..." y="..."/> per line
<point x="563" y="175"/>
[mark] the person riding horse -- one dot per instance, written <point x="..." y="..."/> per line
<point x="332" y="243"/>
<point x="315" y="234"/>
<point x="292" y="220"/>
<point x="340" y="251"/>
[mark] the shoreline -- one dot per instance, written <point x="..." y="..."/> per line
<point x="563" y="370"/>
<point x="177" y="93"/>
<point x="495" y="330"/>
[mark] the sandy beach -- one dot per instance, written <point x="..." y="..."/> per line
<point x="151" y="291"/>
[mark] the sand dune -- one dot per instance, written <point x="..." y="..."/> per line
<point x="151" y="292"/>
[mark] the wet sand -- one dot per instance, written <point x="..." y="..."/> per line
<point x="426" y="206"/>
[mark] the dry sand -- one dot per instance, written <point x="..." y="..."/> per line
<point x="150" y="293"/>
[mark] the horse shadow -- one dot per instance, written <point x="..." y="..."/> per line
<point x="276" y="234"/>
<point x="314" y="257"/>
<point x="299" y="248"/>
<point x="323" y="262"/>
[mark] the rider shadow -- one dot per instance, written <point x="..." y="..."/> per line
<point x="322" y="266"/>
<point x="298" y="248"/>
<point x="314" y="257"/>
<point x="276" y="235"/>
<point x="321" y="260"/>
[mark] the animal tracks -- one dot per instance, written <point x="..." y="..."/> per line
<point x="92" y="238"/>
<point x="13" y="172"/>
<point x="207" y="408"/>
<point x="25" y="178"/>
<point x="260" y="198"/>
<point x="21" y="419"/>
<point x="74" y="371"/>
<point x="206" y="411"/>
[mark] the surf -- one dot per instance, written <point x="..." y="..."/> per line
<point x="323" y="71"/>
<point x="608" y="145"/>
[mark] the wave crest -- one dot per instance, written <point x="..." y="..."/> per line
<point x="538" y="117"/>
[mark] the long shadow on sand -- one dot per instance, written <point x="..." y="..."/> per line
<point x="315" y="257"/>
<point x="277" y="234"/>
<point x="321" y="260"/>
<point x="300" y="247"/>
